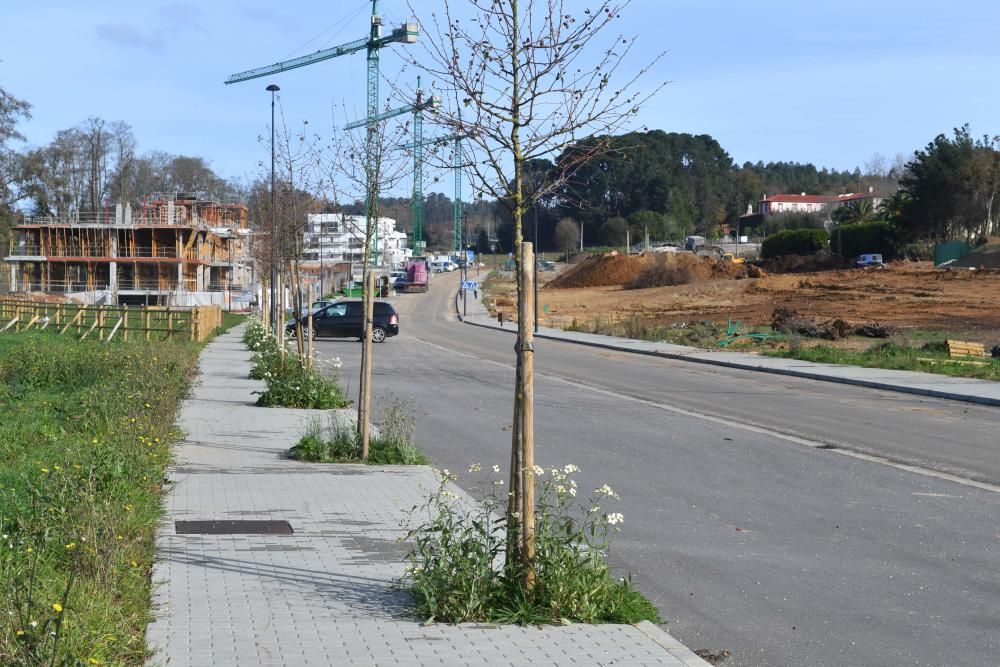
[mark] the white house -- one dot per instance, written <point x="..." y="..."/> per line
<point x="803" y="203"/>
<point x="339" y="237"/>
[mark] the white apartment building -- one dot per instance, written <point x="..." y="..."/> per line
<point x="339" y="237"/>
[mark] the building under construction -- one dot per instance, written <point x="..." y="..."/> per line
<point x="179" y="251"/>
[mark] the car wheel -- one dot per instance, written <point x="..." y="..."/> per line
<point x="378" y="335"/>
<point x="314" y="333"/>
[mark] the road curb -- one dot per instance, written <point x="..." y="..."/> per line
<point x="871" y="384"/>
<point x="670" y="644"/>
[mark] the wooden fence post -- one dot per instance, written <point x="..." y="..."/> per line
<point x="125" y="315"/>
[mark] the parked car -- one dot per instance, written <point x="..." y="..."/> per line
<point x="870" y="259"/>
<point x="344" y="319"/>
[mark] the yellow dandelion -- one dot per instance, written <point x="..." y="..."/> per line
<point x="135" y="564"/>
<point x="71" y="546"/>
<point x="45" y="470"/>
<point x="20" y="633"/>
<point x="57" y="607"/>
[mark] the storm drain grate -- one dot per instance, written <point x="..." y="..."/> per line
<point x="227" y="527"/>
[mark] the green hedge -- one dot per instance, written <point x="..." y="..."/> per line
<point x="794" y="242"/>
<point x="861" y="238"/>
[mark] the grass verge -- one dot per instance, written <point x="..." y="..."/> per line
<point x="931" y="358"/>
<point x="337" y="442"/>
<point x="84" y="442"/>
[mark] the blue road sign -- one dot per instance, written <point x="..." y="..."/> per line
<point x="470" y="284"/>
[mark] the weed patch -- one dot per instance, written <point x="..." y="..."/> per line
<point x="459" y="572"/>
<point x="338" y="442"/>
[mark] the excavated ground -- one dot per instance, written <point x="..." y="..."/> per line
<point x="907" y="295"/>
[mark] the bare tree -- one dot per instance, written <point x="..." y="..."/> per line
<point x="367" y="162"/>
<point x="525" y="80"/>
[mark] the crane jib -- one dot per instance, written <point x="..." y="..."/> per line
<point x="406" y="33"/>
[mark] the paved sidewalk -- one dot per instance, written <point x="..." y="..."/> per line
<point x="983" y="392"/>
<point x="322" y="596"/>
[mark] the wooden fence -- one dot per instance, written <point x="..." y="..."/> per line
<point x="107" y="322"/>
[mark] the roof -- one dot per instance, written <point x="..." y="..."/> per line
<point x="799" y="199"/>
<point x="820" y="199"/>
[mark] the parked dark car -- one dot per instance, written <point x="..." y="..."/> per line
<point x="343" y="319"/>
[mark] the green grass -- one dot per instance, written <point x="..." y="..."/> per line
<point x="701" y="333"/>
<point x="84" y="441"/>
<point x="230" y="320"/>
<point x="896" y="356"/>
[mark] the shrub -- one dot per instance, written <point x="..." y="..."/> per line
<point x="878" y="236"/>
<point x="290" y="383"/>
<point x="794" y="242"/>
<point x="458" y="570"/>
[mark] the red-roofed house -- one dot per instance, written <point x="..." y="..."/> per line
<point x="803" y="203"/>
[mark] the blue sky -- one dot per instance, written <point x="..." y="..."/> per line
<point x="811" y="81"/>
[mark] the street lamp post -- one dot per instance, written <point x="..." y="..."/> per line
<point x="535" y="268"/>
<point x="274" y="231"/>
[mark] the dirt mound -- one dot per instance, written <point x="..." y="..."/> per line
<point x="804" y="263"/>
<point x="603" y="271"/>
<point x="683" y="269"/>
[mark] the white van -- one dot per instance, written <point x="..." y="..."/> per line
<point x="441" y="266"/>
<point x="870" y="259"/>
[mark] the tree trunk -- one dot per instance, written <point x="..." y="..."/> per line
<point x="365" y="401"/>
<point x="525" y="317"/>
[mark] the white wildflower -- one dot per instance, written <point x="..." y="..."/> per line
<point x="605" y="490"/>
<point x="614" y="517"/>
<point x="496" y="468"/>
<point x="570" y="469"/>
<point x="475" y="467"/>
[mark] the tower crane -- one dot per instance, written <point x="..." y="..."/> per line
<point x="456" y="167"/>
<point x="417" y="108"/>
<point x="406" y="34"/>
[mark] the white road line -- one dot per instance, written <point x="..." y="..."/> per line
<point x="760" y="430"/>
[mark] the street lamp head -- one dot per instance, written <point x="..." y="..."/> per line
<point x="273" y="88"/>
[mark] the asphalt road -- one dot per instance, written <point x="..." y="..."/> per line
<point x="741" y="525"/>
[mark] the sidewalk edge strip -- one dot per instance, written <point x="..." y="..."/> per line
<point x="676" y="649"/>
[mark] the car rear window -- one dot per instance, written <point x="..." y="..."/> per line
<point x="383" y="308"/>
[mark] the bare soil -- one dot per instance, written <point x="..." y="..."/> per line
<point x="906" y="295"/>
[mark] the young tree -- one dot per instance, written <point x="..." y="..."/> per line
<point x="526" y="79"/>
<point x="369" y="161"/>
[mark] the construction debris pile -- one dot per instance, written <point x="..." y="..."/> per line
<point x="788" y="320"/>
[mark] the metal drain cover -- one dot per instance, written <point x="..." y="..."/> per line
<point x="228" y="527"/>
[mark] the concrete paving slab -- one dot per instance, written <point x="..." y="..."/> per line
<point x="324" y="595"/>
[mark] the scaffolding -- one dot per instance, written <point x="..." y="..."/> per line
<point x="166" y="251"/>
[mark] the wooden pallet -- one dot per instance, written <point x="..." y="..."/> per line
<point x="958" y="348"/>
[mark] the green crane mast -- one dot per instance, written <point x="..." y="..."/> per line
<point x="418" y="148"/>
<point x="417" y="108"/>
<point x="407" y="34"/>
